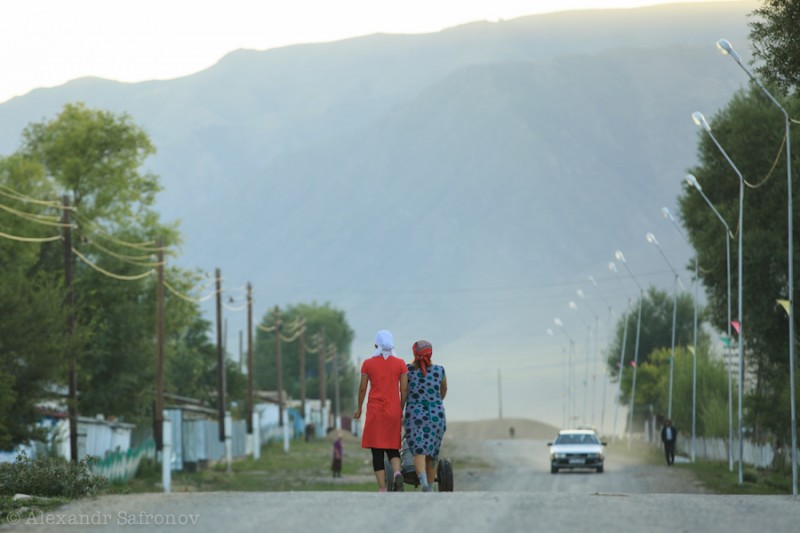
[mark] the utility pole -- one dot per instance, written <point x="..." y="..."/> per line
<point x="72" y="401"/>
<point x="158" y="415"/>
<point x="303" y="366"/>
<point x="499" y="394"/>
<point x="322" y="377"/>
<point x="250" y="405"/>
<point x="337" y="420"/>
<point x="278" y="366"/>
<point x="220" y="361"/>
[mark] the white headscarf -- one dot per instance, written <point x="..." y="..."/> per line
<point x="385" y="344"/>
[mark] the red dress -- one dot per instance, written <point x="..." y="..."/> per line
<point x="383" y="424"/>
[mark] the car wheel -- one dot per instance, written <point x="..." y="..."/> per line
<point x="599" y="469"/>
<point x="444" y="474"/>
<point x="553" y="470"/>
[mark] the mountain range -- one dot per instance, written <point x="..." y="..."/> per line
<point x="459" y="186"/>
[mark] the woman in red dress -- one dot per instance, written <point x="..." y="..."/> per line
<point x="387" y="376"/>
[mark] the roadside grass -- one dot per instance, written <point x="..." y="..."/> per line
<point x="714" y="475"/>
<point x="15" y="511"/>
<point x="306" y="467"/>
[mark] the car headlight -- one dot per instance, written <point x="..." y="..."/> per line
<point x="558" y="455"/>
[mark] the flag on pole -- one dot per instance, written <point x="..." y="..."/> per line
<point x="726" y="340"/>
<point x="691" y="349"/>
<point x="785" y="305"/>
<point x="735" y="324"/>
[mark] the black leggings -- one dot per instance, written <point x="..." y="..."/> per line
<point x="377" y="457"/>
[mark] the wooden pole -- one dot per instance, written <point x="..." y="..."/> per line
<point x="158" y="415"/>
<point x="278" y="365"/>
<point x="220" y="362"/>
<point x="250" y="405"/>
<point x="72" y="401"/>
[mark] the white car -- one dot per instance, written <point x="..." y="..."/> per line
<point x="576" y="448"/>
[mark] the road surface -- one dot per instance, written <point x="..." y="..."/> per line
<point x="518" y="493"/>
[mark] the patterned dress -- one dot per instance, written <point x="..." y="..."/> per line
<point x="425" y="422"/>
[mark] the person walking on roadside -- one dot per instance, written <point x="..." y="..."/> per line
<point x="669" y="435"/>
<point x="387" y="377"/>
<point x="425" y="421"/>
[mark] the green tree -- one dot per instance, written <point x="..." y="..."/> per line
<point x="323" y="324"/>
<point x="776" y="42"/>
<point x="711" y="401"/>
<point x="32" y="348"/>
<point x="96" y="157"/>
<point x="656" y="329"/>
<point x="751" y="130"/>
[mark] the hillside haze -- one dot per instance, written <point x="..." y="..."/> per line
<point x="458" y="186"/>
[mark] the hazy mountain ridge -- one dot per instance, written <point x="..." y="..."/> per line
<point x="455" y="185"/>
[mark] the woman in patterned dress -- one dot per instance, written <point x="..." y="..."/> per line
<point x="425" y="421"/>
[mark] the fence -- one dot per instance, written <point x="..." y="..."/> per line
<point x="120" y="467"/>
<point x="716" y="449"/>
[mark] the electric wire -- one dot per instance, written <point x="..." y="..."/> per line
<point x="29" y="239"/>
<point x="111" y="274"/>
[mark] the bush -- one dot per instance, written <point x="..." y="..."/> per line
<point x="50" y="477"/>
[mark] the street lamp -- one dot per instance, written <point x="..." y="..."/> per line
<point x="692" y="181"/>
<point x="557" y="321"/>
<point x="652" y="240"/>
<point x="605" y="381"/>
<point x="582" y="296"/>
<point x="668" y="215"/>
<point x="621" y="258"/>
<point x="726" y="48"/>
<point x="613" y="268"/>
<point x="700" y="120"/>
<point x="574" y="307"/>
<point x="564" y="376"/>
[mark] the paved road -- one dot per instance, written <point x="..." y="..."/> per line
<point x="520" y="494"/>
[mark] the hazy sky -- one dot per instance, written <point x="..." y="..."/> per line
<point x="45" y="43"/>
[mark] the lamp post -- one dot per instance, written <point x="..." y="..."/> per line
<point x="582" y="296"/>
<point x="574" y="307"/>
<point x="692" y="181"/>
<point x="613" y="268"/>
<point x="557" y="321"/>
<point x="566" y="388"/>
<point x="668" y="215"/>
<point x="621" y="258"/>
<point x="700" y="120"/>
<point x="726" y="48"/>
<point x="652" y="240"/>
<point x="605" y="373"/>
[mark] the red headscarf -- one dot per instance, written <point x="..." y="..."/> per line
<point x="422" y="355"/>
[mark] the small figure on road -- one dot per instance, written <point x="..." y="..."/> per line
<point x="338" y="452"/>
<point x="387" y="377"/>
<point x="425" y="421"/>
<point x="669" y="435"/>
<point x="511" y="432"/>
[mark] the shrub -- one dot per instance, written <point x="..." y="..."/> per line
<point x="50" y="476"/>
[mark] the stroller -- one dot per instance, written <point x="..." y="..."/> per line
<point x="444" y="470"/>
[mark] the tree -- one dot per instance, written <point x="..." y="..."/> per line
<point x="656" y="328"/>
<point x="96" y="156"/>
<point x="322" y="322"/>
<point x="751" y="130"/>
<point x="32" y="348"/>
<point x="711" y="399"/>
<point x="776" y="42"/>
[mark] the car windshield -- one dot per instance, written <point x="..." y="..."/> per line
<point x="576" y="438"/>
